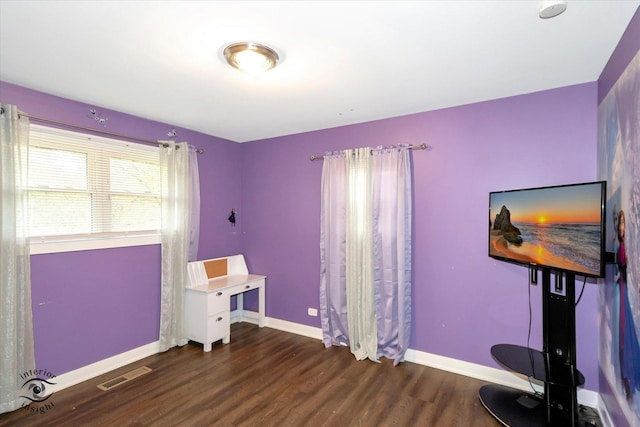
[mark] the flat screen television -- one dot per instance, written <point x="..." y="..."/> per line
<point x="559" y="227"/>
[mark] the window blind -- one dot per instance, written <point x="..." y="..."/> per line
<point x="82" y="185"/>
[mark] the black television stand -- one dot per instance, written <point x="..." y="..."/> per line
<point x="555" y="365"/>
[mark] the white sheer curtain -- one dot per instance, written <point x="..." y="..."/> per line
<point x="365" y="248"/>
<point x="16" y="325"/>
<point x="361" y="315"/>
<point x="194" y="205"/>
<point x="177" y="194"/>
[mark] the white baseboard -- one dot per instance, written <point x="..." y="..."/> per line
<point x="473" y="370"/>
<point x="244" y="316"/>
<point x="295" y="328"/>
<point x="93" y="370"/>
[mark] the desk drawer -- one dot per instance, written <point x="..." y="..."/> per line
<point x="218" y="301"/>
<point x="246" y="287"/>
<point x="218" y="326"/>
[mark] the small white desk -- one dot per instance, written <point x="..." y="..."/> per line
<point x="208" y="298"/>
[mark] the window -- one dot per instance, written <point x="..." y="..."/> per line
<point x="86" y="192"/>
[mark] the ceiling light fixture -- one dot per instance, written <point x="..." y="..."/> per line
<point x="251" y="57"/>
<point x="551" y="8"/>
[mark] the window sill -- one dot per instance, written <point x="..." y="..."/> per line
<point x="52" y="247"/>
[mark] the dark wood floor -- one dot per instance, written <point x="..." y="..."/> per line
<point x="266" y="377"/>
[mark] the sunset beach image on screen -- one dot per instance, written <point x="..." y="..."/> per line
<point x="558" y="227"/>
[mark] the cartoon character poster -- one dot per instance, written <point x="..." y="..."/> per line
<point x="619" y="164"/>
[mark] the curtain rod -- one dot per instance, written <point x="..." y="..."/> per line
<point x="102" y="132"/>
<point x="410" y="147"/>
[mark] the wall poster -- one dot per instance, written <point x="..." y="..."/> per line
<point x="619" y="296"/>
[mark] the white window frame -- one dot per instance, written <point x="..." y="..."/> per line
<point x="82" y="242"/>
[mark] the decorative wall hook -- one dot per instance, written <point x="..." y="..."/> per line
<point x="232" y="217"/>
<point x="93" y="114"/>
<point x="172" y="133"/>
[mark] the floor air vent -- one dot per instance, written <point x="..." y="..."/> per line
<point x="108" y="385"/>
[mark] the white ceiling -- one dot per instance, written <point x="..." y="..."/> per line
<point x="343" y="62"/>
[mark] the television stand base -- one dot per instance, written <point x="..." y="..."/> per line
<point x="505" y="405"/>
<point x="521" y="409"/>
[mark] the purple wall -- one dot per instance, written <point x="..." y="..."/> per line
<point x="91" y="305"/>
<point x="463" y="301"/>
<point x="87" y="302"/>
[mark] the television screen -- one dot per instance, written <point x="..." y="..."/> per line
<point x="560" y="227"/>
